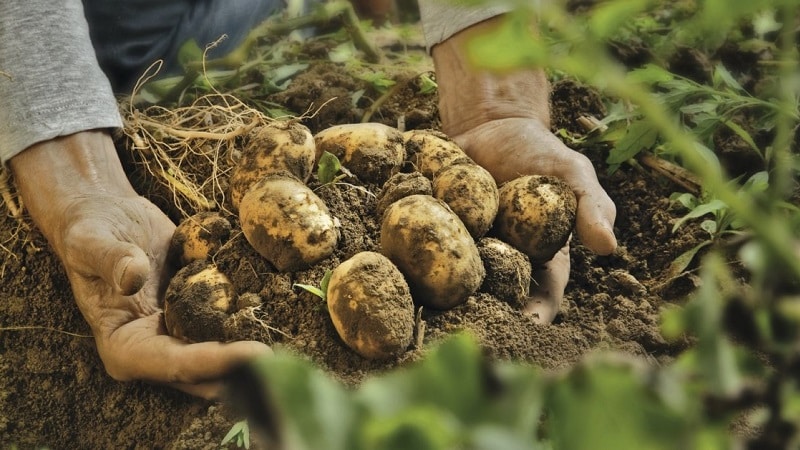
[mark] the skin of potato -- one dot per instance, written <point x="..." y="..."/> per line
<point x="433" y="249"/>
<point x="471" y="192"/>
<point x="536" y="215"/>
<point x="280" y="146"/>
<point x="287" y="223"/>
<point x="508" y="271"/>
<point x="402" y="185"/>
<point x="370" y="306"/>
<point x="199" y="236"/>
<point x="197" y="302"/>
<point x="431" y="150"/>
<point x="371" y="151"/>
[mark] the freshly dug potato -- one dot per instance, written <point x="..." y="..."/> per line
<point x="370" y="305"/>
<point x="280" y="146"/>
<point x="199" y="236"/>
<point x="287" y="223"/>
<point x="198" y="300"/>
<point x="402" y="185"/>
<point x="536" y="215"/>
<point x="471" y="192"/>
<point x="433" y="249"/>
<point x="430" y="151"/>
<point x="371" y="151"/>
<point x="508" y="271"/>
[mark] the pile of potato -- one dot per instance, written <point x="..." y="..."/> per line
<point x="437" y="207"/>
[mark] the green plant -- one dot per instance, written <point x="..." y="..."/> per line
<point x="322" y="290"/>
<point x="238" y="434"/>
<point x="330" y="169"/>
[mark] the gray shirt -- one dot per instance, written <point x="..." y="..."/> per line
<point x="51" y="83"/>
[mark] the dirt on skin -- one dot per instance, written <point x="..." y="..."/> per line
<point x="55" y="392"/>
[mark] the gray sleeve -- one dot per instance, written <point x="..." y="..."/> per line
<point x="444" y="18"/>
<point x="50" y="82"/>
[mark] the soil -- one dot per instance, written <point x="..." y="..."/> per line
<point x="55" y="392"/>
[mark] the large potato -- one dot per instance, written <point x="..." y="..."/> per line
<point x="371" y="151"/>
<point x="471" y="192"/>
<point x="197" y="302"/>
<point x="536" y="215"/>
<point x="430" y="151"/>
<point x="433" y="249"/>
<point x="508" y="271"/>
<point x="199" y="236"/>
<point x="371" y="306"/>
<point x="401" y="185"/>
<point x="287" y="223"/>
<point x="284" y="146"/>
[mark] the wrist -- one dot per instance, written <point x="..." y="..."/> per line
<point x="53" y="174"/>
<point x="470" y="96"/>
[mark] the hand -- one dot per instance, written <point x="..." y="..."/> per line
<point x="502" y="121"/>
<point x="113" y="245"/>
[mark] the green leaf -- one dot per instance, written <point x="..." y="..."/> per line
<point x="312" y="289"/>
<point x="682" y="261"/>
<point x="241" y="431"/>
<point x="189" y="52"/>
<point x="722" y="77"/>
<point x="607" y="18"/>
<point x="650" y="74"/>
<point x="641" y="135"/>
<point x="328" y="167"/>
<point x="326" y="279"/>
<point x="421" y="427"/>
<point x="714" y="206"/>
<point x="512" y="45"/>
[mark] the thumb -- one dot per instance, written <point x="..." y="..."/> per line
<point x="122" y="265"/>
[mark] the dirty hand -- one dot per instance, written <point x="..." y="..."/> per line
<point x="113" y="245"/>
<point x="502" y="121"/>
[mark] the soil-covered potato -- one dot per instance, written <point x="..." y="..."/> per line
<point x="283" y="146"/>
<point x="402" y="185"/>
<point x="471" y="192"/>
<point x="536" y="215"/>
<point x="198" y="300"/>
<point x="371" y="151"/>
<point x="508" y="271"/>
<point x="287" y="223"/>
<point x="370" y="305"/>
<point x="433" y="249"/>
<point x="431" y="150"/>
<point x="199" y="236"/>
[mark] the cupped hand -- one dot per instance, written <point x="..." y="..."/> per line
<point x="113" y="244"/>
<point x="502" y="121"/>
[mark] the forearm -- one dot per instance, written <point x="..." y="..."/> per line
<point x="54" y="85"/>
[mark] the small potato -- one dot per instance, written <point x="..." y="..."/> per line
<point x="371" y="151"/>
<point x="508" y="271"/>
<point x="471" y="192"/>
<point x="430" y="151"/>
<point x="197" y="302"/>
<point x="536" y="215"/>
<point x="371" y="306"/>
<point x="287" y="223"/>
<point x="199" y="236"/>
<point x="433" y="249"/>
<point x="280" y="146"/>
<point x="402" y="185"/>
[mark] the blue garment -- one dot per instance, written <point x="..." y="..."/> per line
<point x="129" y="35"/>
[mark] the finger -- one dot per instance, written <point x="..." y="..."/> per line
<point x="123" y="266"/>
<point x="212" y="390"/>
<point x="551" y="281"/>
<point x="596" y="214"/>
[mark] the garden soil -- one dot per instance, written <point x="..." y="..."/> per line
<point x="54" y="391"/>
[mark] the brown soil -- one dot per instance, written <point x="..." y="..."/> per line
<point x="54" y="391"/>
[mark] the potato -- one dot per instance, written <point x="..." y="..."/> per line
<point x="471" y="192"/>
<point x="371" y="151"/>
<point x="430" y="151"/>
<point x="197" y="302"/>
<point x="508" y="271"/>
<point x="536" y="215"/>
<point x="371" y="306"/>
<point x="287" y="223"/>
<point x="433" y="249"/>
<point x="402" y="185"/>
<point x="199" y="236"/>
<point x="280" y="146"/>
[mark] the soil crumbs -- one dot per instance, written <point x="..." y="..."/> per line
<point x="54" y="391"/>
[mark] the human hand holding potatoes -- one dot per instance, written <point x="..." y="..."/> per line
<point x="501" y="120"/>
